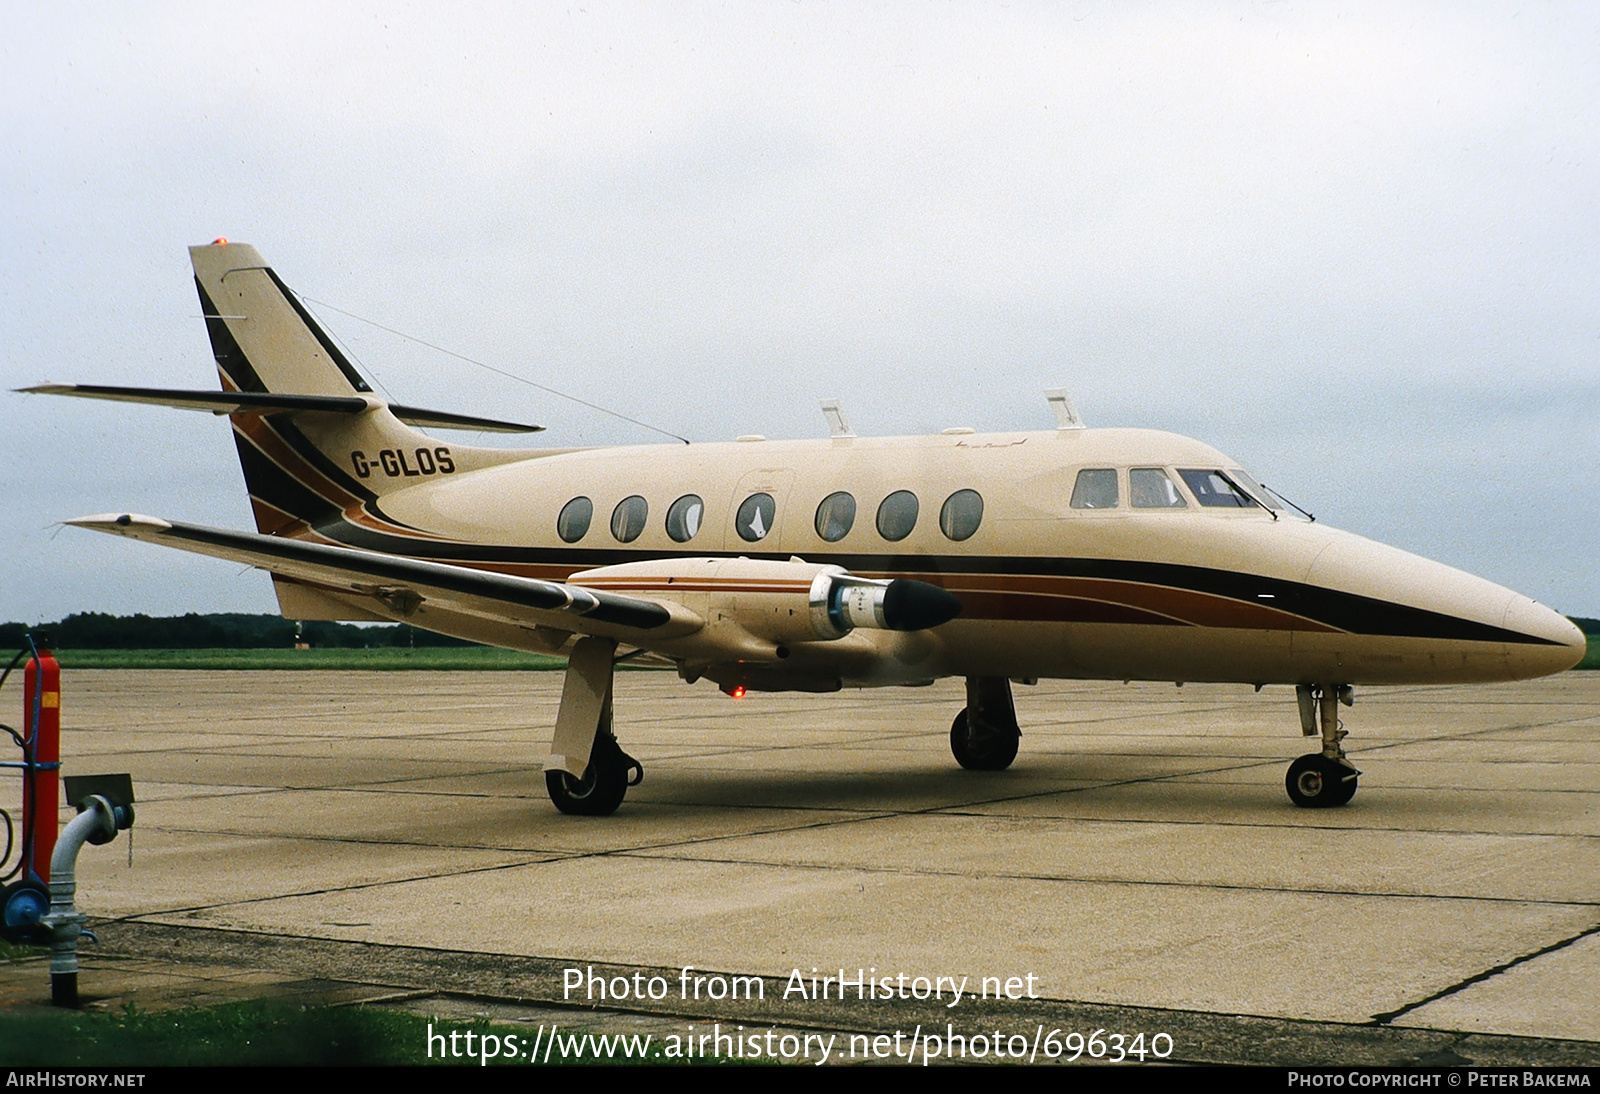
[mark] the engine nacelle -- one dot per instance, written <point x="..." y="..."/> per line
<point x="840" y="602"/>
<point x="781" y="603"/>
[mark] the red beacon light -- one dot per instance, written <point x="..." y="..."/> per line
<point x="220" y="241"/>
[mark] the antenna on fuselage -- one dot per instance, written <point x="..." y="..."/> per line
<point x="833" y="410"/>
<point x="1061" y="403"/>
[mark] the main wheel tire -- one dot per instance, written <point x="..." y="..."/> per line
<point x="979" y="747"/>
<point x="602" y="788"/>
<point x="1316" y="782"/>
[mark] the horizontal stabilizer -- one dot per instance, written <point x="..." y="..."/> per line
<point x="234" y="402"/>
<point x="403" y="584"/>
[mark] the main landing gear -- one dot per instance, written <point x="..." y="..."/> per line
<point x="587" y="773"/>
<point x="985" y="735"/>
<point x="1327" y="778"/>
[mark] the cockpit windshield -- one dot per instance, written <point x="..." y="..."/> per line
<point x="1260" y="493"/>
<point x="1215" y="490"/>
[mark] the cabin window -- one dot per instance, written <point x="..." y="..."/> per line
<point x="897" y="515"/>
<point x="754" y="519"/>
<point x="1215" y="490"/>
<point x="683" y="518"/>
<point x="961" y="515"/>
<point x="627" y="519"/>
<point x="836" y="516"/>
<point x="1096" y="488"/>
<point x="572" y="524"/>
<point x="1153" y="488"/>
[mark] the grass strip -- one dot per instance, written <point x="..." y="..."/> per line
<point x="1591" y="659"/>
<point x="254" y="1034"/>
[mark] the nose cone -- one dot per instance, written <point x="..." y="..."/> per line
<point x="1437" y="623"/>
<point x="1566" y="643"/>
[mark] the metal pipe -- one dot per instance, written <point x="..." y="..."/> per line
<point x="65" y="922"/>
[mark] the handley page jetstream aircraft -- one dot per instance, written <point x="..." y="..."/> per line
<point x="818" y="564"/>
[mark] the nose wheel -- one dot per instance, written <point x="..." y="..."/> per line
<point x="985" y="736"/>
<point x="1323" y="779"/>
<point x="979" y="747"/>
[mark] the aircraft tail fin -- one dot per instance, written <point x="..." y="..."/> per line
<point x="318" y="449"/>
<point x="262" y="336"/>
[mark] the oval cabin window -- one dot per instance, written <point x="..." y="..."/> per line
<point x="961" y="515"/>
<point x="627" y="519"/>
<point x="754" y="519"/>
<point x="836" y="516"/>
<point x="683" y="519"/>
<point x="573" y="522"/>
<point x="897" y="515"/>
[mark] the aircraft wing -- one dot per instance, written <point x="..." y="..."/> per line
<point x="404" y="583"/>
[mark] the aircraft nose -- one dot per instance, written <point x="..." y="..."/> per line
<point x="1566" y="647"/>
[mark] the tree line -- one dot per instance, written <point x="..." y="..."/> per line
<point x="221" y="631"/>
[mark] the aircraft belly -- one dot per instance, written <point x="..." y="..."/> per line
<point x="1118" y="651"/>
<point x="1389" y="659"/>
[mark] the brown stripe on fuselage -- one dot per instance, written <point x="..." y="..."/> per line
<point x="359" y="514"/>
<point x="1176" y="605"/>
<point x="275" y="448"/>
<point x="1032" y="607"/>
<point x="267" y="441"/>
<point x="272" y="521"/>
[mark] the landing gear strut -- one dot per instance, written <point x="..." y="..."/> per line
<point x="1327" y="778"/>
<point x="984" y="735"/>
<point x="587" y="773"/>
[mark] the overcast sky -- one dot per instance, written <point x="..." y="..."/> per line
<point x="1354" y="246"/>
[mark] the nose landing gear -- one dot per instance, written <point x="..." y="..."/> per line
<point x="1323" y="779"/>
<point x="984" y="736"/>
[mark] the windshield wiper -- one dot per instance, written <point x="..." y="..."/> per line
<point x="1312" y="517"/>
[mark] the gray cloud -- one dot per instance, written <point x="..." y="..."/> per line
<point x="1355" y="248"/>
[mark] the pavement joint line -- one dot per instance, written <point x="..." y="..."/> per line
<point x="1463" y="736"/>
<point x="1285" y="827"/>
<point x="539" y="858"/>
<point x="355" y="887"/>
<point x="1137" y="883"/>
<point x="1388" y="1017"/>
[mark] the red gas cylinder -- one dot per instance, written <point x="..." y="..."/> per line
<point x="41" y="787"/>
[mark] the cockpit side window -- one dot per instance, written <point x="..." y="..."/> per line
<point x="1096" y="488"/>
<point x="1215" y="490"/>
<point x="1153" y="488"/>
